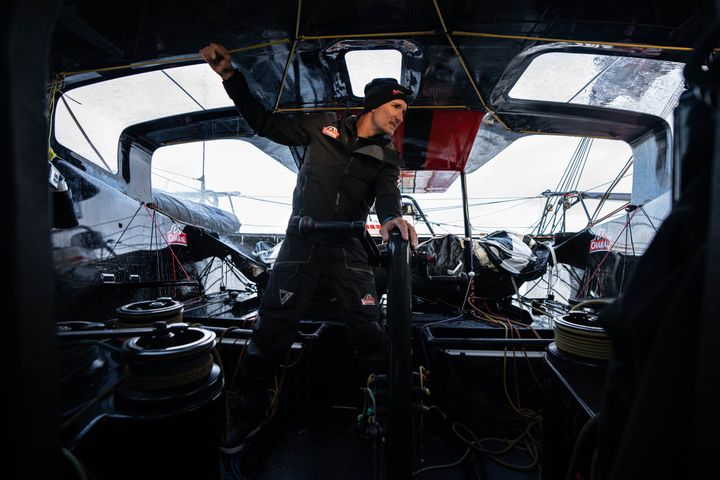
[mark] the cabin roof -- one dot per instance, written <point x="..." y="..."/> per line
<point x="461" y="58"/>
<point x="292" y="49"/>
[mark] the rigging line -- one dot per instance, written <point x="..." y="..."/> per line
<point x="232" y="270"/>
<point x="153" y="239"/>
<point x="419" y="33"/>
<point x="206" y="270"/>
<point x="176" y="220"/>
<point x="495" y="212"/>
<point x="573" y="273"/>
<point x="232" y="206"/>
<point x="557" y="279"/>
<point x="581" y="154"/>
<point x="612" y="186"/>
<point x="532" y="287"/>
<point x="238" y="274"/>
<point x="167" y="61"/>
<point x="112" y="250"/>
<point x="592" y="225"/>
<point x="535" y="225"/>
<point x="55" y="88"/>
<point x="578" y="166"/>
<point x="606" y="255"/>
<point x="290" y="57"/>
<point x="595" y="77"/>
<point x="208" y="287"/>
<point x="642" y="207"/>
<point x="158" y="169"/>
<point x="568" y="40"/>
<point x="77" y="122"/>
<point x="632" y="241"/>
<point x="166" y="241"/>
<point x="535" y="308"/>
<point x="285" y="71"/>
<point x="181" y="88"/>
<point x="259" y="199"/>
<point x="564" y="184"/>
<point x="545" y="219"/>
<point x="297" y="20"/>
<point x="572" y="177"/>
<point x="189" y="187"/>
<point x="604" y="183"/>
<point x="540" y="223"/>
<point x="480" y="204"/>
<point x="471" y="198"/>
<point x="202" y="175"/>
<point x="217" y="280"/>
<point x="220" y="310"/>
<point x="624" y="260"/>
<point x="621" y="207"/>
<point x="679" y="28"/>
<point x="554" y="289"/>
<point x="265" y="225"/>
<point x="469" y="75"/>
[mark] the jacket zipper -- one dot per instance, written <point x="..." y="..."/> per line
<point x="345" y="172"/>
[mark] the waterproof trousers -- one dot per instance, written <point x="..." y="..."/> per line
<point x="292" y="283"/>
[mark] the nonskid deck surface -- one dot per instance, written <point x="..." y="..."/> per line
<point x="321" y="443"/>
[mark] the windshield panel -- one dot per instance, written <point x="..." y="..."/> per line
<point x="626" y="83"/>
<point x="105" y="109"/>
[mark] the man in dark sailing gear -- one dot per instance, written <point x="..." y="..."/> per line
<point x="349" y="164"/>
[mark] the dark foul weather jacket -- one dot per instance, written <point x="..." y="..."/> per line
<point x="340" y="178"/>
<point x="342" y="175"/>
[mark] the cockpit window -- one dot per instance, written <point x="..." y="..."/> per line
<point x="364" y="65"/>
<point x="229" y="174"/>
<point x="538" y="184"/>
<point x="636" y="84"/>
<point x="89" y="119"/>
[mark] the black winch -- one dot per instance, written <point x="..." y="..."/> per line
<point x="580" y="341"/>
<point x="147" y="312"/>
<point x="169" y="395"/>
<point x="171" y="370"/>
<point x="84" y="367"/>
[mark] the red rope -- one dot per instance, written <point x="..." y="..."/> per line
<point x="175" y="258"/>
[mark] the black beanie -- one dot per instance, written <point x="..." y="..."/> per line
<point x="382" y="90"/>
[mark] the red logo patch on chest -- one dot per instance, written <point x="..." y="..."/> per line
<point x="331" y="131"/>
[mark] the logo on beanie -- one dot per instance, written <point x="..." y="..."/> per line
<point x="331" y="131"/>
<point x="397" y="92"/>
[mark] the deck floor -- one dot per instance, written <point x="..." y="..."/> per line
<point x="320" y="443"/>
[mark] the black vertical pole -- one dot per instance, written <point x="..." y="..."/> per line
<point x="31" y="371"/>
<point x="398" y="438"/>
<point x="468" y="266"/>
<point x="705" y="429"/>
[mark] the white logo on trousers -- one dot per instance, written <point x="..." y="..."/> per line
<point x="284" y="295"/>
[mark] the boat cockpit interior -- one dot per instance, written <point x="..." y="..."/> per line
<point x="557" y="319"/>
